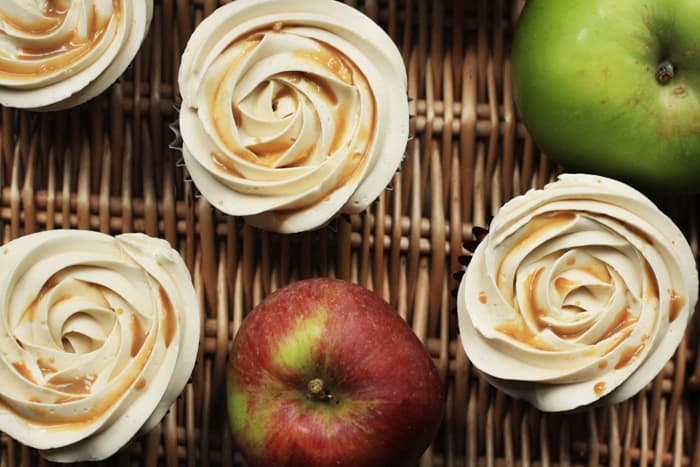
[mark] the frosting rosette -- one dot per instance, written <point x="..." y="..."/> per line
<point x="293" y="111"/>
<point x="98" y="337"/>
<point x="580" y="291"/>
<point x="56" y="54"/>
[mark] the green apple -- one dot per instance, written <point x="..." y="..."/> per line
<point x="612" y="87"/>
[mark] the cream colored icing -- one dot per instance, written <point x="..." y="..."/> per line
<point x="98" y="336"/>
<point x="293" y="111"/>
<point x="56" y="54"/>
<point x="580" y="291"/>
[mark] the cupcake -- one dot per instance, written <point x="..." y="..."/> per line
<point x="56" y="54"/>
<point x="579" y="294"/>
<point x="292" y="112"/>
<point x="98" y="337"/>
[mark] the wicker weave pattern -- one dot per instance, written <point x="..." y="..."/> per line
<point x="107" y="166"/>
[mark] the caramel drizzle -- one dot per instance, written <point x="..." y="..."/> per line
<point x="169" y="318"/>
<point x="533" y="231"/>
<point x="138" y="335"/>
<point x="22" y="369"/>
<point x="75" y="385"/>
<point x="629" y="354"/>
<point x="70" y="50"/>
<point x="676" y="304"/>
<point x="599" y="388"/>
<point x="520" y="332"/>
<point x="30" y="313"/>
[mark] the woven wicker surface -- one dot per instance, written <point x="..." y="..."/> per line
<point x="107" y="166"/>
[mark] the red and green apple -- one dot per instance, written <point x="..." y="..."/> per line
<point x="325" y="373"/>
<point x="613" y="87"/>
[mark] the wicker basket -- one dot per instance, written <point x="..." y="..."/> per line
<point x="107" y="166"/>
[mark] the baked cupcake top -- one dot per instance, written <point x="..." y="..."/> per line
<point x="56" y="54"/>
<point x="580" y="291"/>
<point x="98" y="336"/>
<point x="293" y="111"/>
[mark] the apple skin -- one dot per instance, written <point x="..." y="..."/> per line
<point x="387" y="397"/>
<point x="584" y="81"/>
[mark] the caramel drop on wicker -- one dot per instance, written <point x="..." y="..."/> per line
<point x="169" y="322"/>
<point x="482" y="297"/>
<point x="599" y="388"/>
<point x="676" y="305"/>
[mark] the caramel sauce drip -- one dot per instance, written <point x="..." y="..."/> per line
<point x="482" y="297"/>
<point x="330" y="59"/>
<point x="341" y="124"/>
<point x="225" y="166"/>
<point x="66" y="399"/>
<point x="138" y="334"/>
<point x="571" y="261"/>
<point x="628" y="354"/>
<point x="542" y="223"/>
<point x="563" y="285"/>
<point x="169" y="318"/>
<point x="676" y="305"/>
<point x="53" y="13"/>
<point x="652" y="290"/>
<point x="270" y="149"/>
<point x="29" y="314"/>
<point x="599" y="388"/>
<point x="602" y="364"/>
<point x="534" y="230"/>
<point x="533" y="307"/>
<point x="45" y="367"/>
<point x="75" y="385"/>
<point x="63" y="54"/>
<point x="322" y="87"/>
<point x="618" y="340"/>
<point x="520" y="332"/>
<point x="597" y="270"/>
<point x="284" y="93"/>
<point x="564" y="334"/>
<point x="22" y="369"/>
<point x="140" y="384"/>
<point x="623" y="320"/>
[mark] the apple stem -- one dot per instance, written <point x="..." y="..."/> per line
<point x="316" y="391"/>
<point x="664" y="72"/>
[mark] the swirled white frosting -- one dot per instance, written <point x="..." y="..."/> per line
<point x="60" y="53"/>
<point x="293" y="111"/>
<point x="98" y="336"/>
<point x="580" y="291"/>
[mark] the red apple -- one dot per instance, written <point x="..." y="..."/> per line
<point x="325" y="373"/>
